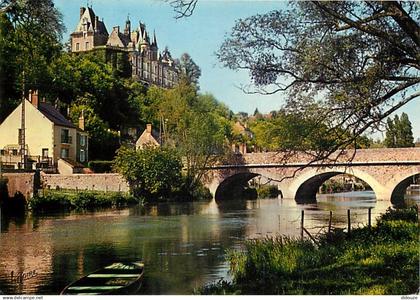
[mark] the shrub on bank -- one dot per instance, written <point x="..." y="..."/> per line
<point x="101" y="166"/>
<point x="267" y="191"/>
<point x="66" y="200"/>
<point x="379" y="260"/>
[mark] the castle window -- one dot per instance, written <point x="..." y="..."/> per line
<point x="87" y="45"/>
<point x="77" y="46"/>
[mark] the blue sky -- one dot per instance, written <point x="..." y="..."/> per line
<point x="199" y="35"/>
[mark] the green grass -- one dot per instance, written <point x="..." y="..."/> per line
<point x="383" y="260"/>
<point x="66" y="200"/>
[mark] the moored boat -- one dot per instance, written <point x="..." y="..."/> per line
<point x="116" y="279"/>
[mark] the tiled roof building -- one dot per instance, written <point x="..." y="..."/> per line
<point x="147" y="63"/>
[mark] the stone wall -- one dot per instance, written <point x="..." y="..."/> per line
<point x="23" y="183"/>
<point x="108" y="182"/>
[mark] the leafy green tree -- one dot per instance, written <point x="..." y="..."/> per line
<point x="197" y="125"/>
<point x="8" y="69"/>
<point x="189" y="70"/>
<point x="30" y="33"/>
<point x="201" y="138"/>
<point x="152" y="173"/>
<point x="399" y="132"/>
<point x="349" y="64"/>
<point x="103" y="141"/>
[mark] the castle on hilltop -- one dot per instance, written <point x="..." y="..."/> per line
<point x="146" y="63"/>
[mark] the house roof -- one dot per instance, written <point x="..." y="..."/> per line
<point x="89" y="17"/>
<point x="117" y="38"/>
<point x="148" y="138"/>
<point x="54" y="115"/>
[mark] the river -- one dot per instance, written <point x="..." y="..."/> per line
<point x="183" y="245"/>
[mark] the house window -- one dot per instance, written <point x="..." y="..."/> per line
<point x="64" y="153"/>
<point x="82" y="140"/>
<point x="82" y="155"/>
<point x="65" y="137"/>
<point x="77" y="46"/>
<point x="15" y="152"/>
<point x="44" y="152"/>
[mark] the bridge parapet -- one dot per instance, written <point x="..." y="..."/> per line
<point x="361" y="155"/>
<point x="387" y="171"/>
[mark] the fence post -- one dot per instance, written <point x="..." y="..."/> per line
<point x="329" y="223"/>
<point x="301" y="223"/>
<point x="370" y="217"/>
<point x="348" y="222"/>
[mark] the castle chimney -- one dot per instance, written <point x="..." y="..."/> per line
<point x="149" y="128"/>
<point x="96" y="22"/>
<point x="34" y="99"/>
<point x="82" y="11"/>
<point x="82" y="120"/>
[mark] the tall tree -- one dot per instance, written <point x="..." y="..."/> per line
<point x="196" y="125"/>
<point x="390" y="134"/>
<point x="406" y="130"/>
<point x="189" y="70"/>
<point x="399" y="132"/>
<point x="350" y="63"/>
<point x="30" y="32"/>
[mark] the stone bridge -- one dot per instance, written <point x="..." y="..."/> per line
<point x="387" y="171"/>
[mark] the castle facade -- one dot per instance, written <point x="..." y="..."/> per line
<point x="147" y="64"/>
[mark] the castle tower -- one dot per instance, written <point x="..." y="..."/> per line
<point x="144" y="44"/>
<point x="89" y="33"/>
<point x="127" y="30"/>
<point x="154" y="47"/>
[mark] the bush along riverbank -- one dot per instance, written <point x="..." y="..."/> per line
<point x="382" y="260"/>
<point x="67" y="200"/>
<point x="268" y="191"/>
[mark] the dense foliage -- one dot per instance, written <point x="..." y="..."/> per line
<point x="101" y="166"/>
<point x="382" y="260"/>
<point x="66" y="200"/>
<point x="197" y="125"/>
<point x="291" y="131"/>
<point x="399" y="132"/>
<point x="152" y="173"/>
<point x="30" y="33"/>
<point x="347" y="64"/>
<point x="267" y="191"/>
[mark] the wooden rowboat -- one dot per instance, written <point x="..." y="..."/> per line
<point x="116" y="279"/>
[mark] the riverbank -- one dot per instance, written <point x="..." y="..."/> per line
<point x="51" y="200"/>
<point x="382" y="260"/>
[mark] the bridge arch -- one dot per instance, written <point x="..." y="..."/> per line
<point x="400" y="185"/>
<point x="306" y="186"/>
<point x="224" y="188"/>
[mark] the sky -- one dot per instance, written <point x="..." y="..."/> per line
<point x="200" y="36"/>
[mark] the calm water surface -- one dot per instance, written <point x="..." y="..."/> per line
<point x="183" y="245"/>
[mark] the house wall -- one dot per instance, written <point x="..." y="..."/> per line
<point x="39" y="130"/>
<point x="59" y="145"/>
